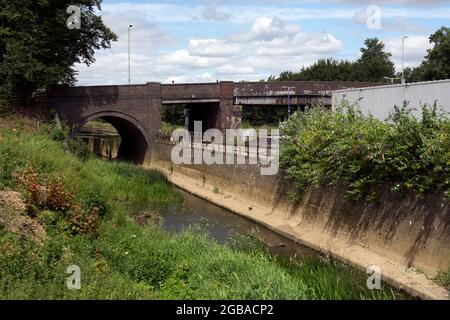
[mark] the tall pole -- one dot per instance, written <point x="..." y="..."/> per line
<point x="403" y="59"/>
<point x="289" y="104"/>
<point x="129" y="53"/>
<point x="289" y="99"/>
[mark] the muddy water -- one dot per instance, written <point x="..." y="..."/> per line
<point x="221" y="224"/>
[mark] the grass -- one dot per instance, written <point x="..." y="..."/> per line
<point x="443" y="279"/>
<point x="170" y="127"/>
<point x="127" y="261"/>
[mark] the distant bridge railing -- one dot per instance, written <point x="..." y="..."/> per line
<point x="250" y="149"/>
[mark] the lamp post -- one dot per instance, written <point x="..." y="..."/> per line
<point x="289" y="98"/>
<point x="129" y="53"/>
<point x="403" y="59"/>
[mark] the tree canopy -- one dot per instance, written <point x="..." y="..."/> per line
<point x="375" y="64"/>
<point x="322" y="70"/>
<point x="436" y="65"/>
<point x="38" y="49"/>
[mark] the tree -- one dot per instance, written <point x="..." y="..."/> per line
<point x="37" y="48"/>
<point x="436" y="65"/>
<point x="375" y="63"/>
<point x="322" y="70"/>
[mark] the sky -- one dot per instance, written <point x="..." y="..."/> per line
<point x="249" y="40"/>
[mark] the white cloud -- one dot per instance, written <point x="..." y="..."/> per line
<point x="211" y="11"/>
<point x="299" y="44"/>
<point x="232" y="69"/>
<point x="212" y="48"/>
<point x="267" y="29"/>
<point x="247" y="41"/>
<point x="183" y="58"/>
<point x="271" y="46"/>
<point x="250" y="11"/>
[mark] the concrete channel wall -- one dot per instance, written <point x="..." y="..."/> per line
<point x="408" y="237"/>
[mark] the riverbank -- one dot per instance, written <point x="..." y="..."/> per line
<point x="79" y="206"/>
<point x="281" y="220"/>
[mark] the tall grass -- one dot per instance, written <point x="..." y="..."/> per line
<point x="443" y="279"/>
<point x="127" y="261"/>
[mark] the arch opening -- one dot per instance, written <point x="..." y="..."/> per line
<point x="114" y="137"/>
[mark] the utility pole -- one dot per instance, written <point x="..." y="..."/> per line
<point x="403" y="59"/>
<point x="129" y="53"/>
<point x="289" y="99"/>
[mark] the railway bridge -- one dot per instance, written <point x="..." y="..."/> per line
<point x="135" y="110"/>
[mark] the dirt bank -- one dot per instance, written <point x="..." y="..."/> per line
<point x="13" y="218"/>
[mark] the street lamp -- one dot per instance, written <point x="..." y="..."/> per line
<point x="289" y="98"/>
<point x="129" y="53"/>
<point x="403" y="59"/>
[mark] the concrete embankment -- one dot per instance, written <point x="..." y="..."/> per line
<point x="407" y="237"/>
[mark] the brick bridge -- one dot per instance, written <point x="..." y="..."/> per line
<point x="134" y="110"/>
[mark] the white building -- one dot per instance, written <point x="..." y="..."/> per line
<point x="379" y="101"/>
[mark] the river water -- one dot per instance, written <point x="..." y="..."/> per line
<point x="223" y="225"/>
<point x="220" y="223"/>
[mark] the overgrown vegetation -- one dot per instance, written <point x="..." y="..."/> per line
<point x="82" y="204"/>
<point x="263" y="116"/>
<point x="343" y="146"/>
<point x="443" y="279"/>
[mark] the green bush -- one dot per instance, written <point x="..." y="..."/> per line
<point x="173" y="114"/>
<point x="80" y="149"/>
<point x="258" y="116"/>
<point x="343" y="146"/>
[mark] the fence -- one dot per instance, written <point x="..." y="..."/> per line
<point x="248" y="149"/>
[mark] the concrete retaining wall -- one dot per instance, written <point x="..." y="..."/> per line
<point x="412" y="234"/>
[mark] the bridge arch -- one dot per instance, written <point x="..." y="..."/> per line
<point x="134" y="136"/>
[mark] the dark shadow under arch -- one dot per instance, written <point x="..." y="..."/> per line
<point x="135" y="139"/>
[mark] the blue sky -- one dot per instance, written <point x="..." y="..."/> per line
<point x="209" y="40"/>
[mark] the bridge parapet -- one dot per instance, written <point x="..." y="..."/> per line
<point x="199" y="92"/>
<point x="294" y="88"/>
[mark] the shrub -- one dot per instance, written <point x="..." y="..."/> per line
<point x="344" y="146"/>
<point x="80" y="149"/>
